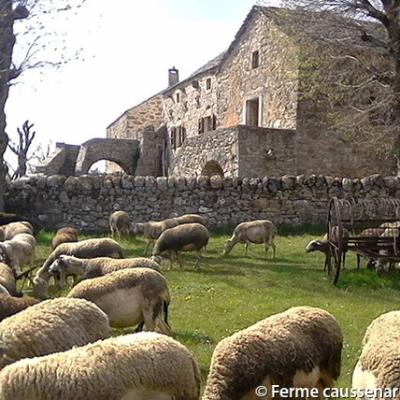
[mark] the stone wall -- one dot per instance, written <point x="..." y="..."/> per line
<point x="273" y="82"/>
<point x="87" y="201"/>
<point x="240" y="151"/>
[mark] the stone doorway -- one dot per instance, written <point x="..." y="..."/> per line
<point x="212" y="168"/>
<point x="252" y="112"/>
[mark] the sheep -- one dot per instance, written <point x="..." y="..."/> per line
<point x="66" y="234"/>
<point x="88" y="268"/>
<point x="322" y="245"/>
<point x="186" y="237"/>
<point x="369" y="233"/>
<point x="191" y="219"/>
<point x="378" y="365"/>
<point x="300" y="347"/>
<point x="7" y="280"/>
<point x="15" y="228"/>
<point x="129" y="297"/>
<point x="259" y="231"/>
<point x="18" y="251"/>
<point x="142" y="366"/>
<point x="89" y="248"/>
<point x="119" y="223"/>
<point x="12" y="305"/>
<point x="153" y="229"/>
<point x="51" y="326"/>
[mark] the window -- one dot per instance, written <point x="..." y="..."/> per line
<point x="178" y="136"/>
<point x="178" y="97"/>
<point x="181" y="135"/>
<point x="208" y="84"/>
<point x="255" y="59"/>
<point x="252" y="112"/>
<point x="207" y="124"/>
<point x="173" y="138"/>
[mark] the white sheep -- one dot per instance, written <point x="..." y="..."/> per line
<point x="300" y="347"/>
<point x="186" y="237"/>
<point x="89" y="248"/>
<point x="191" y="219"/>
<point x="49" y="327"/>
<point x="18" y="251"/>
<point x="88" y="268"/>
<point x="119" y="223"/>
<point x="258" y="232"/>
<point x="142" y="366"/>
<point x="378" y="365"/>
<point x="129" y="297"/>
<point x="15" y="228"/>
<point x="12" y="305"/>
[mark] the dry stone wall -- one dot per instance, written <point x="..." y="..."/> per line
<point x="87" y="201"/>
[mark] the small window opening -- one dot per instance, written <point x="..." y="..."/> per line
<point x="255" y="59"/>
<point x="208" y="84"/>
<point x="252" y="111"/>
<point x="173" y="138"/>
<point x="178" y="97"/>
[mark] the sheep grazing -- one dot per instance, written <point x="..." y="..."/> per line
<point x="322" y="245"/>
<point x="142" y="366"/>
<point x="90" y="248"/>
<point x="64" y="235"/>
<point x="378" y="365"/>
<point x="186" y="237"/>
<point x="153" y="229"/>
<point x="300" y="347"/>
<point x="88" y="268"/>
<point x="18" y="251"/>
<point x="119" y="223"/>
<point x="49" y="327"/>
<point x="129" y="297"/>
<point x="15" y="228"/>
<point x="257" y="232"/>
<point x="12" y="305"/>
<point x="7" y="280"/>
<point x="191" y="219"/>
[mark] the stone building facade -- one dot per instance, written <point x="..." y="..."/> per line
<point x="242" y="114"/>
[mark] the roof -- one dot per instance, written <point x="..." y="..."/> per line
<point x="206" y="68"/>
<point x="132" y="108"/>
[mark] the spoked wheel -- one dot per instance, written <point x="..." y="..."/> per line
<point x="335" y="240"/>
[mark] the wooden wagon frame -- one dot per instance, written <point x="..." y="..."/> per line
<point x="351" y="216"/>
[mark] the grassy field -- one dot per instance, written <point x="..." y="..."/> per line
<point x="232" y="292"/>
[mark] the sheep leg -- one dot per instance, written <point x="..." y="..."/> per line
<point x="147" y="247"/>
<point x="152" y="319"/>
<point x="196" y="264"/>
<point x="139" y="328"/>
<point x="246" y="247"/>
<point x="358" y="261"/>
<point x="273" y="250"/>
<point x="179" y="259"/>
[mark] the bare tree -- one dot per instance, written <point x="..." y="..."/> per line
<point x="34" y="17"/>
<point x="355" y="47"/>
<point x="20" y="149"/>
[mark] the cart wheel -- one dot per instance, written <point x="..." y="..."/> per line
<point x="335" y="239"/>
<point x="334" y="265"/>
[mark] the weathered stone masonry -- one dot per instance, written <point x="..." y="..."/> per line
<point x="87" y="201"/>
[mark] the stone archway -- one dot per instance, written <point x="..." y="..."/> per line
<point x="123" y="152"/>
<point x="212" y="168"/>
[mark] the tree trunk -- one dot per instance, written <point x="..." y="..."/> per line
<point x="7" y="41"/>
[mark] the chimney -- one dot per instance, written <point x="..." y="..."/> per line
<point x="173" y="76"/>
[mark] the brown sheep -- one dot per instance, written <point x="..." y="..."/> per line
<point x="64" y="235"/>
<point x="12" y="305"/>
<point x="186" y="237"/>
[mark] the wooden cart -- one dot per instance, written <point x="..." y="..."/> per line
<point x="346" y="219"/>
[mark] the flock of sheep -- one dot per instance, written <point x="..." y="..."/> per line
<point x="62" y="348"/>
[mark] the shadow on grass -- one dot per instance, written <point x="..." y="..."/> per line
<point x="370" y="279"/>
<point x="195" y="337"/>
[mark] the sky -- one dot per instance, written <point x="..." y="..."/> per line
<point x="128" y="47"/>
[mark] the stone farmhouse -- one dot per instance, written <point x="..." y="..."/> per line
<point x="241" y="114"/>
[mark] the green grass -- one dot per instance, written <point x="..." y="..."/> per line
<point x="232" y="292"/>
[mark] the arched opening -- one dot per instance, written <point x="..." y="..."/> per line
<point x="106" y="167"/>
<point x="212" y="168"/>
